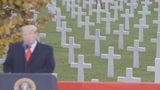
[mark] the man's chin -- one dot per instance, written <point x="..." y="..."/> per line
<point x="29" y="42"/>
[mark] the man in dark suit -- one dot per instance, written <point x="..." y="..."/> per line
<point x="29" y="56"/>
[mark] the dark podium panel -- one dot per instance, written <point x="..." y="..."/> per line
<point x="14" y="81"/>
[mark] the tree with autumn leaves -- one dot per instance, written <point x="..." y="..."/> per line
<point x="14" y="14"/>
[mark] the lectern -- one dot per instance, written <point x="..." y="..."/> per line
<point x="28" y="81"/>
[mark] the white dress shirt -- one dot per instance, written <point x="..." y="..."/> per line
<point x="33" y="46"/>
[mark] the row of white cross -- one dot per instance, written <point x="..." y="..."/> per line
<point x="97" y="37"/>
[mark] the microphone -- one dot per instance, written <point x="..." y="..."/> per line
<point x="26" y="45"/>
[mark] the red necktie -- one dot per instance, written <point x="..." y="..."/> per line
<point x="28" y="54"/>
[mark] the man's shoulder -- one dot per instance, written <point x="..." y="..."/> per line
<point x="45" y="46"/>
<point x="16" y="44"/>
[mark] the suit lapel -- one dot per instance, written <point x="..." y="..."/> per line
<point x="22" y="52"/>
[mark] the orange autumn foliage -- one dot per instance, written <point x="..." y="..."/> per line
<point x="14" y="14"/>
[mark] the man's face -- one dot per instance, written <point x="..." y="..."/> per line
<point x="29" y="36"/>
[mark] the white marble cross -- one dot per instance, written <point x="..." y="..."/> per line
<point x="98" y="13"/>
<point x="121" y="32"/>
<point x="59" y="18"/>
<point x="63" y="31"/>
<point x="115" y="8"/>
<point x="68" y="5"/>
<point x="136" y="49"/>
<point x="142" y="26"/>
<point x="84" y="3"/>
<point x="71" y="46"/>
<point x="127" y="16"/>
<point x="121" y="6"/>
<point x="144" y="13"/>
<point x="87" y="25"/>
<point x="129" y="77"/>
<point x="41" y="36"/>
<point x="52" y="7"/>
<point x="97" y="39"/>
<point x="110" y="57"/>
<point x="107" y="2"/>
<point x="158" y="9"/>
<point x="81" y="66"/>
<point x="157" y="41"/>
<point x="79" y="17"/>
<point x="90" y="10"/>
<point x="158" y="23"/>
<point x="155" y="69"/>
<point x="108" y="20"/>
<point x="73" y="6"/>
<point x="146" y="2"/>
<point x="133" y="5"/>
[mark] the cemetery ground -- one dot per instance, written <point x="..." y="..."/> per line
<point x="99" y="65"/>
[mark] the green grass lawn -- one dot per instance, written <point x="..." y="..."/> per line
<point x="99" y="66"/>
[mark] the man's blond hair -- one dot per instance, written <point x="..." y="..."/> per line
<point x="29" y="27"/>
